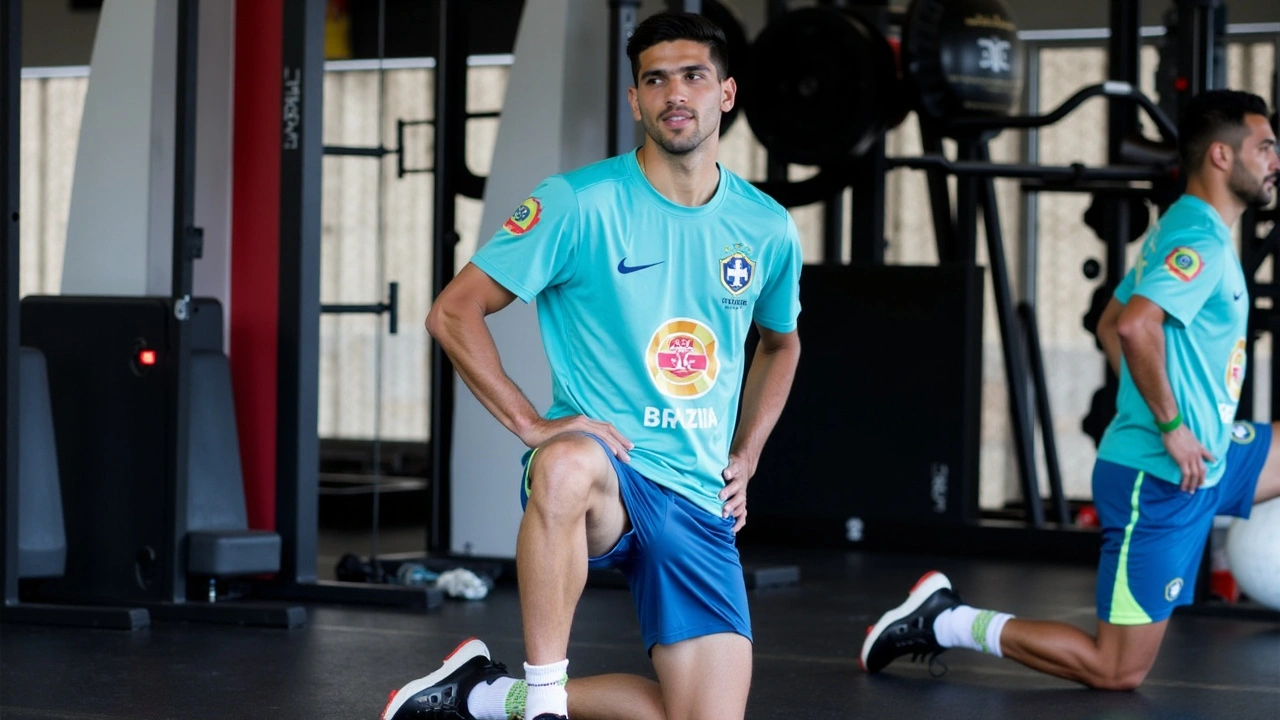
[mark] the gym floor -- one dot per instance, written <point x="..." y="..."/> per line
<point x="345" y="661"/>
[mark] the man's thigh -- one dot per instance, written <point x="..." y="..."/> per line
<point x="707" y="677"/>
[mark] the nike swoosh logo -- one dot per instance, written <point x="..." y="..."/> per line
<point x="1237" y="297"/>
<point x="624" y="268"/>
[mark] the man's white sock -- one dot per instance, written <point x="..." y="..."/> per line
<point x="546" y="689"/>
<point x="502" y="699"/>
<point x="969" y="627"/>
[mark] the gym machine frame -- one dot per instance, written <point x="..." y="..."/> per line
<point x="296" y="505"/>
<point x="12" y="609"/>
<point x="171" y="602"/>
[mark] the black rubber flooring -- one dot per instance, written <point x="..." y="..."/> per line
<point x="346" y="660"/>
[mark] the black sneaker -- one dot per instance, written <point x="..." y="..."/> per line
<point x="443" y="693"/>
<point x="908" y="628"/>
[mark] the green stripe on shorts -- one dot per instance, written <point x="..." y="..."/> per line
<point x="1125" y="609"/>
<point x="528" y="465"/>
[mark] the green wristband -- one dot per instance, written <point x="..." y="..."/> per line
<point x="1171" y="425"/>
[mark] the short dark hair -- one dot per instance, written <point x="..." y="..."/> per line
<point x="671" y="26"/>
<point x="1215" y="116"/>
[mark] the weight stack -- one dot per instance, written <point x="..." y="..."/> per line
<point x="110" y="414"/>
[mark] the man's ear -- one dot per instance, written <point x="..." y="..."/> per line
<point x="1221" y="155"/>
<point x="728" y="94"/>
<point x="633" y="99"/>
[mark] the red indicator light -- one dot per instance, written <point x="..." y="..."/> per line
<point x="1181" y="84"/>
<point x="146" y="357"/>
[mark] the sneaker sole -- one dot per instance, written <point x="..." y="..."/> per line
<point x="452" y="662"/>
<point x="927" y="585"/>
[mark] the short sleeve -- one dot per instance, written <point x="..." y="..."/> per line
<point x="778" y="306"/>
<point x="537" y="246"/>
<point x="1180" y="274"/>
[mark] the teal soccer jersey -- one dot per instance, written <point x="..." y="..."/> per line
<point x="1190" y="269"/>
<point x="644" y="307"/>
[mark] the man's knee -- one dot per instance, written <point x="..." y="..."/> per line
<point x="563" y="472"/>
<point x="686" y="669"/>
<point x="1119" y="680"/>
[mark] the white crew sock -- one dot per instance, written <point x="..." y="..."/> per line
<point x="969" y="627"/>
<point x="546" y="689"/>
<point x="503" y="699"/>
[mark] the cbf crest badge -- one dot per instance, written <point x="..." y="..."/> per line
<point x="737" y="270"/>
<point x="527" y="214"/>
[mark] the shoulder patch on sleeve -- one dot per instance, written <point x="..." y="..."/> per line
<point x="525" y="217"/>
<point x="1184" y="263"/>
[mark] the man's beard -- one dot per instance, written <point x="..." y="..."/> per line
<point x="678" y="145"/>
<point x="1253" y="193"/>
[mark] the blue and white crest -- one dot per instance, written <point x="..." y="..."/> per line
<point x="736" y="273"/>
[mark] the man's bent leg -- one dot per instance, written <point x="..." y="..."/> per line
<point x="615" y="697"/>
<point x="934" y="619"/>
<point x="574" y="511"/>
<point x="707" y="678"/>
<point x="1119" y="658"/>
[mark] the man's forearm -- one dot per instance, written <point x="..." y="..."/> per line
<point x="1110" y="342"/>
<point x="470" y="347"/>
<point x="1108" y="332"/>
<point x="764" y="395"/>
<point x="1144" y="352"/>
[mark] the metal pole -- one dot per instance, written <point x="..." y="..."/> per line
<point x="1014" y="360"/>
<point x="866" y="221"/>
<point x="450" y="109"/>
<point x="1031" y="200"/>
<point x="186" y="247"/>
<point x="10" y="96"/>
<point x="622" y="22"/>
<point x="775" y="169"/>
<point x="945" y="225"/>
<point x="298" y="353"/>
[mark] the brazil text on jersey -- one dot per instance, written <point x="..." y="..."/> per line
<point x="703" y="418"/>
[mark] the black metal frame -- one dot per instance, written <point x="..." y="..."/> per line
<point x="622" y="22"/>
<point x="185" y="251"/>
<point x="956" y="226"/>
<point x="449" y="160"/>
<point x="298" y="374"/>
<point x="10" y="120"/>
<point x="390" y="308"/>
<point x="296" y="504"/>
<point x="1024" y="366"/>
<point x="187" y="247"/>
<point x="12" y="609"/>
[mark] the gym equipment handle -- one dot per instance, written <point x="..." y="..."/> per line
<point x="1066" y="173"/>
<point x="391" y="307"/>
<point x="1111" y="88"/>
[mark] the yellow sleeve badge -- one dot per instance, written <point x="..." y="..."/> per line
<point x="525" y="217"/>
<point x="1184" y="263"/>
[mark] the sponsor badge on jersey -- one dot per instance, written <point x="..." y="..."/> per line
<point x="1184" y="263"/>
<point x="1235" y="370"/>
<point x="525" y="217"/>
<point x="681" y="358"/>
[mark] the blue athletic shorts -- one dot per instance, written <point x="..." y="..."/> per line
<point x="680" y="561"/>
<point x="1153" y="533"/>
